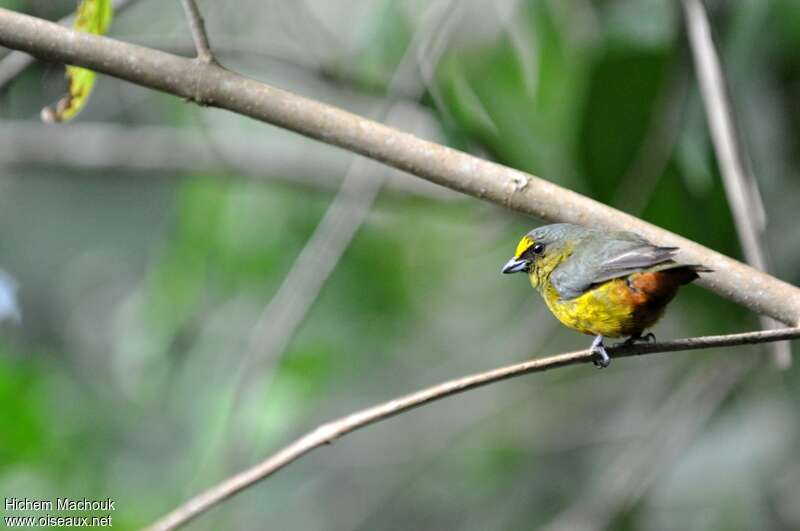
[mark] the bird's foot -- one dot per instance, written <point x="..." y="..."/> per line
<point x="598" y="349"/>
<point x="647" y="338"/>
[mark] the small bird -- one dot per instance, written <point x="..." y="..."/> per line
<point x="601" y="283"/>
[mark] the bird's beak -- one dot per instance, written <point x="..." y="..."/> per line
<point x="516" y="265"/>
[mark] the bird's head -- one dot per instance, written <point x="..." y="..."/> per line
<point x="542" y="249"/>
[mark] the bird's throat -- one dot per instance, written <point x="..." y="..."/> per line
<point x="542" y="267"/>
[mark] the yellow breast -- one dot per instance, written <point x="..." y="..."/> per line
<point x="610" y="309"/>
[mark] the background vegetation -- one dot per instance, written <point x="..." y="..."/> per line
<point x="148" y="236"/>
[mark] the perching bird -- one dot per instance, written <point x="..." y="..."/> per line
<point x="606" y="284"/>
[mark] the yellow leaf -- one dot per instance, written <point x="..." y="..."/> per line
<point x="92" y="16"/>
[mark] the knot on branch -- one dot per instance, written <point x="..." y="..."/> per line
<point x="198" y="90"/>
<point x="520" y="181"/>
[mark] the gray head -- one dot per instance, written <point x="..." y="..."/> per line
<point x="547" y="244"/>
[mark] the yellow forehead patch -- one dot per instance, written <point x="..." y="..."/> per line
<point x="523" y="245"/>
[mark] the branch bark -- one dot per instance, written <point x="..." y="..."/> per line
<point x="210" y="84"/>
<point x="328" y="433"/>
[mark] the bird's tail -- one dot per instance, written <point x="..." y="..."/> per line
<point x="685" y="273"/>
<point x="692" y="271"/>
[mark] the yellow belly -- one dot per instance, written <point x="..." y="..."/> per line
<point x="606" y="310"/>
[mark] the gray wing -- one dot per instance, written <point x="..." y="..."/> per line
<point x="603" y="259"/>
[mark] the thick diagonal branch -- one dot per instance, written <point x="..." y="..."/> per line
<point x="212" y="85"/>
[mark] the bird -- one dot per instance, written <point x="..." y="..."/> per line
<point x="609" y="284"/>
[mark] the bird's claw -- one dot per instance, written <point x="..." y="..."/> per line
<point x="602" y="359"/>
<point x="647" y="338"/>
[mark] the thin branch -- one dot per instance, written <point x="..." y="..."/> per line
<point x="212" y="85"/>
<point x="328" y="433"/>
<point x="199" y="34"/>
<point x="17" y="62"/>
<point x="741" y="186"/>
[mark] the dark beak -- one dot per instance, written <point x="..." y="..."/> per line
<point x="515" y="266"/>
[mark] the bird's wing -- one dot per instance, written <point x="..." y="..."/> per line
<point x="604" y="258"/>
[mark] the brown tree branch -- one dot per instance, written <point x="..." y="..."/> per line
<point x="328" y="433"/>
<point x="199" y="34"/>
<point x="210" y="84"/>
<point x="741" y="186"/>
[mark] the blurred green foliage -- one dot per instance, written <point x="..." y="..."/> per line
<point x="140" y="288"/>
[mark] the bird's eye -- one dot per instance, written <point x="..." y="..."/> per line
<point x="538" y="248"/>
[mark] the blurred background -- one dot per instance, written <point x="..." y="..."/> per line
<point x="198" y="289"/>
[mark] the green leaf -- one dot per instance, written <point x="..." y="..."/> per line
<point x="92" y="16"/>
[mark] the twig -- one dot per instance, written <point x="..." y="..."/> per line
<point x="448" y="167"/>
<point x="17" y="62"/>
<point x="199" y="34"/>
<point x="328" y="433"/>
<point x="741" y="186"/>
